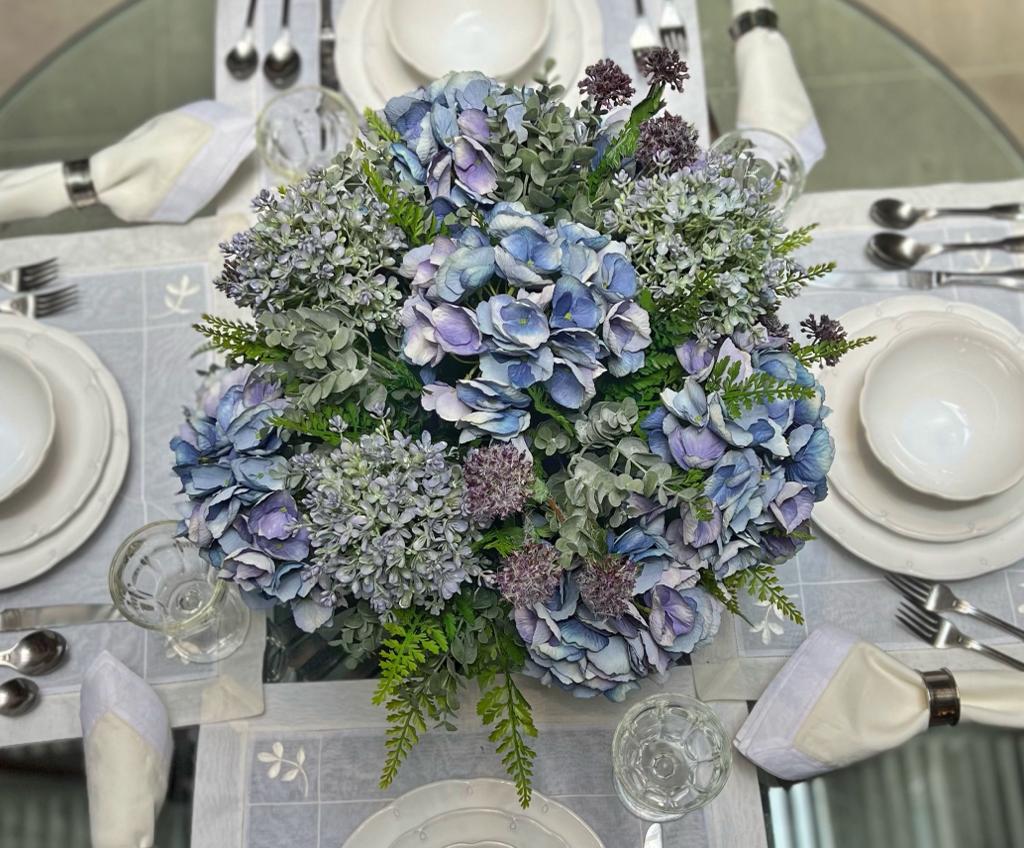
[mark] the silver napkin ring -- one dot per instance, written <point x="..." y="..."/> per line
<point x="752" y="19"/>
<point x="943" y="697"/>
<point x="78" y="182"/>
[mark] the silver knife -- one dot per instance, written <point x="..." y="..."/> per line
<point x="60" y="615"/>
<point x="653" y="838"/>
<point x="328" y="73"/>
<point x="1008" y="278"/>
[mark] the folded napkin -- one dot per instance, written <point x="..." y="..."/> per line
<point x="771" y="94"/>
<point x="127" y="754"/>
<point x="167" y="170"/>
<point x="839" y="700"/>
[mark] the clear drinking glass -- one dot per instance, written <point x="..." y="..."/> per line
<point x="159" y="581"/>
<point x="303" y="129"/>
<point x="671" y="756"/>
<point x="770" y="156"/>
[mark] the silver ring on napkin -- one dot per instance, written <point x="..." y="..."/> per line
<point x="943" y="697"/>
<point x="752" y="19"/>
<point x="78" y="182"/>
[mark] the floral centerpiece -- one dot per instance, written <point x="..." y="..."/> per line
<point x="515" y="398"/>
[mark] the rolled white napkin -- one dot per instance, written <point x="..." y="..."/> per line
<point x="166" y="170"/>
<point x="128" y="748"/>
<point x="839" y="700"/>
<point x="771" y="94"/>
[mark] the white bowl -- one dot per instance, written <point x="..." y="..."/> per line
<point x="943" y="409"/>
<point x="27" y="421"/>
<point x="496" y="38"/>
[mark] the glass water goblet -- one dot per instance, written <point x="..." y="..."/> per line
<point x="304" y="129"/>
<point x="670" y="756"/>
<point x="769" y="156"/>
<point x="159" y="581"/>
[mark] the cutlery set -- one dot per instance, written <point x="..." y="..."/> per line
<point x="919" y="613"/>
<point x="29" y="295"/>
<point x="899" y="252"/>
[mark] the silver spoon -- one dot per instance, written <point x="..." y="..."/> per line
<point x="898" y="215"/>
<point x="282" y="64"/>
<point x="894" y="250"/>
<point x="243" y="58"/>
<point x="18" y="696"/>
<point x="40" y="652"/>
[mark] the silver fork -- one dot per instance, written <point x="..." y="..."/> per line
<point x="1007" y="278"/>
<point x="40" y="304"/>
<point x="942" y="633"/>
<point x="938" y="597"/>
<point x="28" y="277"/>
<point x="671" y="30"/>
<point x="643" y="38"/>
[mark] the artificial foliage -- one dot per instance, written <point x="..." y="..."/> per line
<point x="514" y="398"/>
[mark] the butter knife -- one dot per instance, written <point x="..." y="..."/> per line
<point x="1008" y="278"/>
<point x="328" y="73"/>
<point x="60" y="615"/>
<point x="653" y="837"/>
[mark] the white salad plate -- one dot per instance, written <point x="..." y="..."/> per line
<point x="873" y="539"/>
<point x="372" y="71"/>
<point x="499" y="39"/>
<point x="27" y="421"/>
<point x="859" y="477"/>
<point x="480" y="813"/>
<point x="943" y="408"/>
<point x="92" y="438"/>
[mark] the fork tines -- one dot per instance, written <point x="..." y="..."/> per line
<point x="50" y="302"/>
<point x="29" y="277"/>
<point x="910" y="587"/>
<point x="671" y="30"/>
<point x="918" y="621"/>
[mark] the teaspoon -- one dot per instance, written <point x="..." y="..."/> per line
<point x="898" y="215"/>
<point x="40" y="652"/>
<point x="18" y="696"/>
<point x="282" y="64"/>
<point x="893" y="250"/>
<point x="243" y="59"/>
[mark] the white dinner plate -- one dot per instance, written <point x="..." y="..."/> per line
<point x="867" y="484"/>
<point x="942" y="408"/>
<point x="26" y="420"/>
<point x="839" y="518"/>
<point x="81" y="444"/>
<point x="420" y="818"/>
<point x="79" y="382"/>
<point x="371" y="71"/>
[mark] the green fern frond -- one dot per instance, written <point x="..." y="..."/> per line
<point x="827" y="352"/>
<point x="239" y="341"/>
<point x="504" y="706"/>
<point x="762" y="582"/>
<point x="410" y="215"/>
<point x="411" y="640"/>
<point x="380" y="127"/>
<point x="738" y="394"/>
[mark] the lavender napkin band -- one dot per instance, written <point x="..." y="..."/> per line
<point x="79" y="185"/>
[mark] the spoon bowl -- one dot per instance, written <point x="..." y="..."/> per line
<point x="18" y="696"/>
<point x="895" y="214"/>
<point x="282" y="64"/>
<point x="243" y="59"/>
<point x="40" y="652"/>
<point x="894" y="250"/>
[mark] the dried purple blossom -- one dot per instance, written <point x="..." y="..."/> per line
<point x="663" y="66"/>
<point x="606" y="584"/>
<point x="499" y="479"/>
<point x="529" y="575"/>
<point x="775" y="327"/>
<point x="666" y="142"/>
<point x="607" y="85"/>
<point x="826" y="330"/>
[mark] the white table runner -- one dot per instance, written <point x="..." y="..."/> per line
<point x="828" y="583"/>
<point x="141" y="289"/>
<point x="241" y="802"/>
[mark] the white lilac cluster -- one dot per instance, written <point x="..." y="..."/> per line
<point x="386" y="523"/>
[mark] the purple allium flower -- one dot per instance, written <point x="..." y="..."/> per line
<point x="664" y="66"/>
<point x="606" y="584"/>
<point x="666" y="141"/>
<point x="607" y="85"/>
<point x="775" y="327"/>
<point x="530" y="575"/>
<point x="823" y="329"/>
<point x="499" y="479"/>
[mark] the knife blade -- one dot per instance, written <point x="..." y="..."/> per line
<point x="59" y="615"/>
<point x="328" y="73"/>
<point x="653" y="837"/>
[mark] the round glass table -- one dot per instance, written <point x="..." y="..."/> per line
<point x="891" y="116"/>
